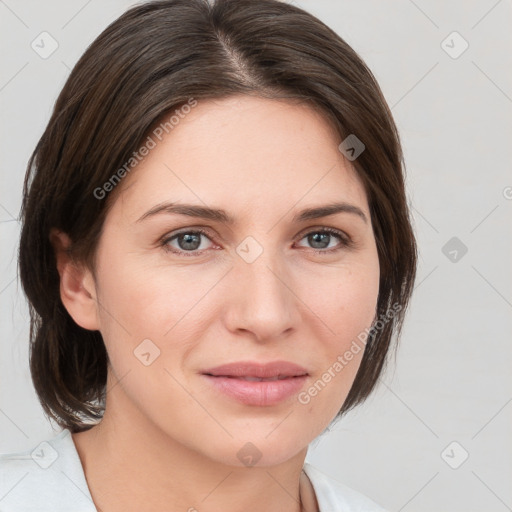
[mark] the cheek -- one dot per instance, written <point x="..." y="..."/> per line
<point x="347" y="299"/>
<point x="148" y="300"/>
<point x="346" y="304"/>
<point x="160" y="311"/>
<point x="357" y="302"/>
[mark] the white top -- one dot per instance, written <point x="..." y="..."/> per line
<point x="50" y="478"/>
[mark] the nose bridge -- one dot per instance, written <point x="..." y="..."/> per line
<point x="264" y="302"/>
<point x="260" y="268"/>
<point x="264" y="278"/>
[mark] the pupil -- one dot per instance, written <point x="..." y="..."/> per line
<point x="191" y="241"/>
<point x="321" y="238"/>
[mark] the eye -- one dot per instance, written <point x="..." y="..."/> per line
<point x="320" y="240"/>
<point x="186" y="241"/>
<point x="190" y="243"/>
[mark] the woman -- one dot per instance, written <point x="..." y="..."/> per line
<point x="206" y="165"/>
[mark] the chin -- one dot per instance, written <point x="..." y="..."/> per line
<point x="259" y="451"/>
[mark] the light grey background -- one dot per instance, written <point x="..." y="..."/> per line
<point x="451" y="381"/>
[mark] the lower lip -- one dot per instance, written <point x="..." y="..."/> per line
<point x="261" y="393"/>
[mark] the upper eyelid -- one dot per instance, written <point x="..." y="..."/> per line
<point x="207" y="230"/>
<point x="345" y="237"/>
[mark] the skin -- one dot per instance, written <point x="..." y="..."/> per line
<point x="168" y="440"/>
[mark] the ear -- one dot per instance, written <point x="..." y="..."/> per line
<point x="77" y="286"/>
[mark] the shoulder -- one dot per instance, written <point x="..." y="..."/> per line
<point x="47" y="477"/>
<point x="333" y="496"/>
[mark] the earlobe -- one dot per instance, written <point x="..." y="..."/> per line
<point x="77" y="287"/>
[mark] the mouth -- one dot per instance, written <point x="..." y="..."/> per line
<point x="275" y="370"/>
<point x="257" y="384"/>
<point x="258" y="379"/>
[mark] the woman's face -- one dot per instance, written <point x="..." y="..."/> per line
<point x="173" y="303"/>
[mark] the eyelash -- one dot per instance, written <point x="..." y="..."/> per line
<point x="345" y="241"/>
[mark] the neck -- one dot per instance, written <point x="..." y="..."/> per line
<point x="131" y="464"/>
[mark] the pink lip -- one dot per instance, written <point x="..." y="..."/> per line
<point x="228" y="379"/>
<point x="253" y="369"/>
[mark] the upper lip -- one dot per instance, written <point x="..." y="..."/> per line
<point x="260" y="370"/>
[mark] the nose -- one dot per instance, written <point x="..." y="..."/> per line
<point x="262" y="299"/>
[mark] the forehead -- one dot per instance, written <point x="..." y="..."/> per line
<point x="243" y="153"/>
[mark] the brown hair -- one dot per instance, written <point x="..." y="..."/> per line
<point x="152" y="60"/>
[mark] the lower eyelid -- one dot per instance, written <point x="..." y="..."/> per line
<point x="342" y="237"/>
<point x="166" y="240"/>
<point x="344" y="241"/>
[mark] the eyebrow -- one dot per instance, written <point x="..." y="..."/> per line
<point x="220" y="215"/>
